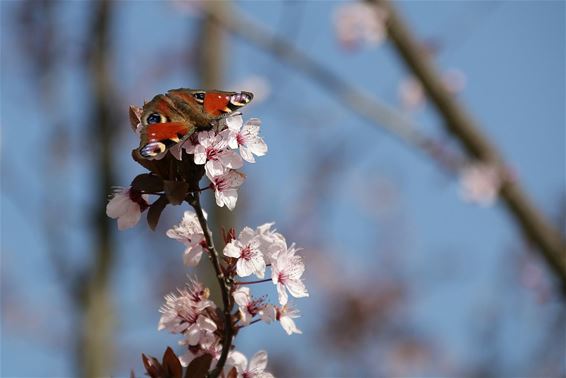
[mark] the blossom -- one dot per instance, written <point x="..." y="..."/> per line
<point x="213" y="153"/>
<point x="480" y="184"/>
<point x="246" y="249"/>
<point x="126" y="205"/>
<point x="185" y="313"/>
<point x="214" y="349"/>
<point x="246" y="138"/>
<point x="248" y="307"/>
<point x="189" y="232"/>
<point x="287" y="270"/>
<point x="360" y="22"/>
<point x="270" y="241"/>
<point x="256" y="368"/>
<point x="225" y="188"/>
<point x="285" y="315"/>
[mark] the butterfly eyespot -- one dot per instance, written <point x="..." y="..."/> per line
<point x="199" y="96"/>
<point x="154" y="118"/>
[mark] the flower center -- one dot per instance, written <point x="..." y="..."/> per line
<point x="246" y="253"/>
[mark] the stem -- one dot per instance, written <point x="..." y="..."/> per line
<point x="251" y="282"/>
<point x="224" y="287"/>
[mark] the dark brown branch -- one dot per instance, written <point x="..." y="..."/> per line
<point x="460" y="124"/>
<point x="224" y="287"/>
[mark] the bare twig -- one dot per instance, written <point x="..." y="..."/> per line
<point x="224" y="286"/>
<point x="460" y="124"/>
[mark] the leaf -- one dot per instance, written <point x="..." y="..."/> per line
<point x="147" y="182"/>
<point x="171" y="364"/>
<point x="233" y="373"/>
<point x="155" y="210"/>
<point x="198" y="368"/>
<point x="176" y="191"/>
<point x="152" y="366"/>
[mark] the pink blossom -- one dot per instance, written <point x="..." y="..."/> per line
<point x="246" y="138"/>
<point x="358" y="22"/>
<point x="480" y="184"/>
<point x="213" y="153"/>
<point x="285" y="315"/>
<point x="271" y="242"/>
<point x="126" y="205"/>
<point x="248" y="307"/>
<point x="225" y="188"/>
<point x="256" y="368"/>
<point x="287" y="270"/>
<point x="185" y="313"/>
<point x="246" y="249"/>
<point x="189" y="232"/>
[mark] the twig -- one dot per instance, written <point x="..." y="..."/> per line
<point x="460" y="124"/>
<point x="224" y="288"/>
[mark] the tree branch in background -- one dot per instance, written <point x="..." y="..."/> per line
<point x="95" y="355"/>
<point x="532" y="223"/>
<point x="460" y="124"/>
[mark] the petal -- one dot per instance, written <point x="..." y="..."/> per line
<point x="214" y="168"/>
<point x="297" y="288"/>
<point x="118" y="205"/>
<point x="242" y="296"/>
<point x="247" y="154"/>
<point x="130" y="219"/>
<point x="230" y="197"/>
<point x="289" y="325"/>
<point x="244" y="268"/>
<point x="282" y="293"/>
<point x="192" y="255"/>
<point x="231" y="159"/>
<point x="259" y="147"/>
<point x="259" y="361"/>
<point x="200" y="155"/>
<point x="235" y="122"/>
<point x="238" y="360"/>
<point x="205" y="323"/>
<point x="231" y="250"/>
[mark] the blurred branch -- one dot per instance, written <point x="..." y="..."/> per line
<point x="95" y="354"/>
<point x="210" y="69"/>
<point x="532" y="223"/>
<point x="361" y="103"/>
<point x="460" y="124"/>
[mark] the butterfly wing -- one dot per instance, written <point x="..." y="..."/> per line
<point x="157" y="138"/>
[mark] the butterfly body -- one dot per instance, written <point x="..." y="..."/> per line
<point x="172" y="117"/>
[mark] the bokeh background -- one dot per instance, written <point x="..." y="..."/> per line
<point x="405" y="277"/>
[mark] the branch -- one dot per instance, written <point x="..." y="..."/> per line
<point x="460" y="124"/>
<point x="361" y="103"/>
<point x="224" y="288"/>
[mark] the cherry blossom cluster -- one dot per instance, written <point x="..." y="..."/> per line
<point x="221" y="152"/>
<point x="251" y="253"/>
<point x="207" y="329"/>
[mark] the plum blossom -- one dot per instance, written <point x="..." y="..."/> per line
<point x="287" y="270"/>
<point x="480" y="184"/>
<point x="226" y="188"/>
<point x="249" y="307"/>
<point x="214" y="349"/>
<point x="358" y="22"/>
<point x="246" y="249"/>
<point x="126" y="205"/>
<point x="213" y="153"/>
<point x="189" y="232"/>
<point x="285" y="315"/>
<point x="246" y="138"/>
<point x="270" y="241"/>
<point x="256" y="367"/>
<point x="185" y="313"/>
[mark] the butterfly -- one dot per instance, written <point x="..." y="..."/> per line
<point x="173" y="117"/>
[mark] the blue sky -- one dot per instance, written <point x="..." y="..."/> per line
<point x="513" y="55"/>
